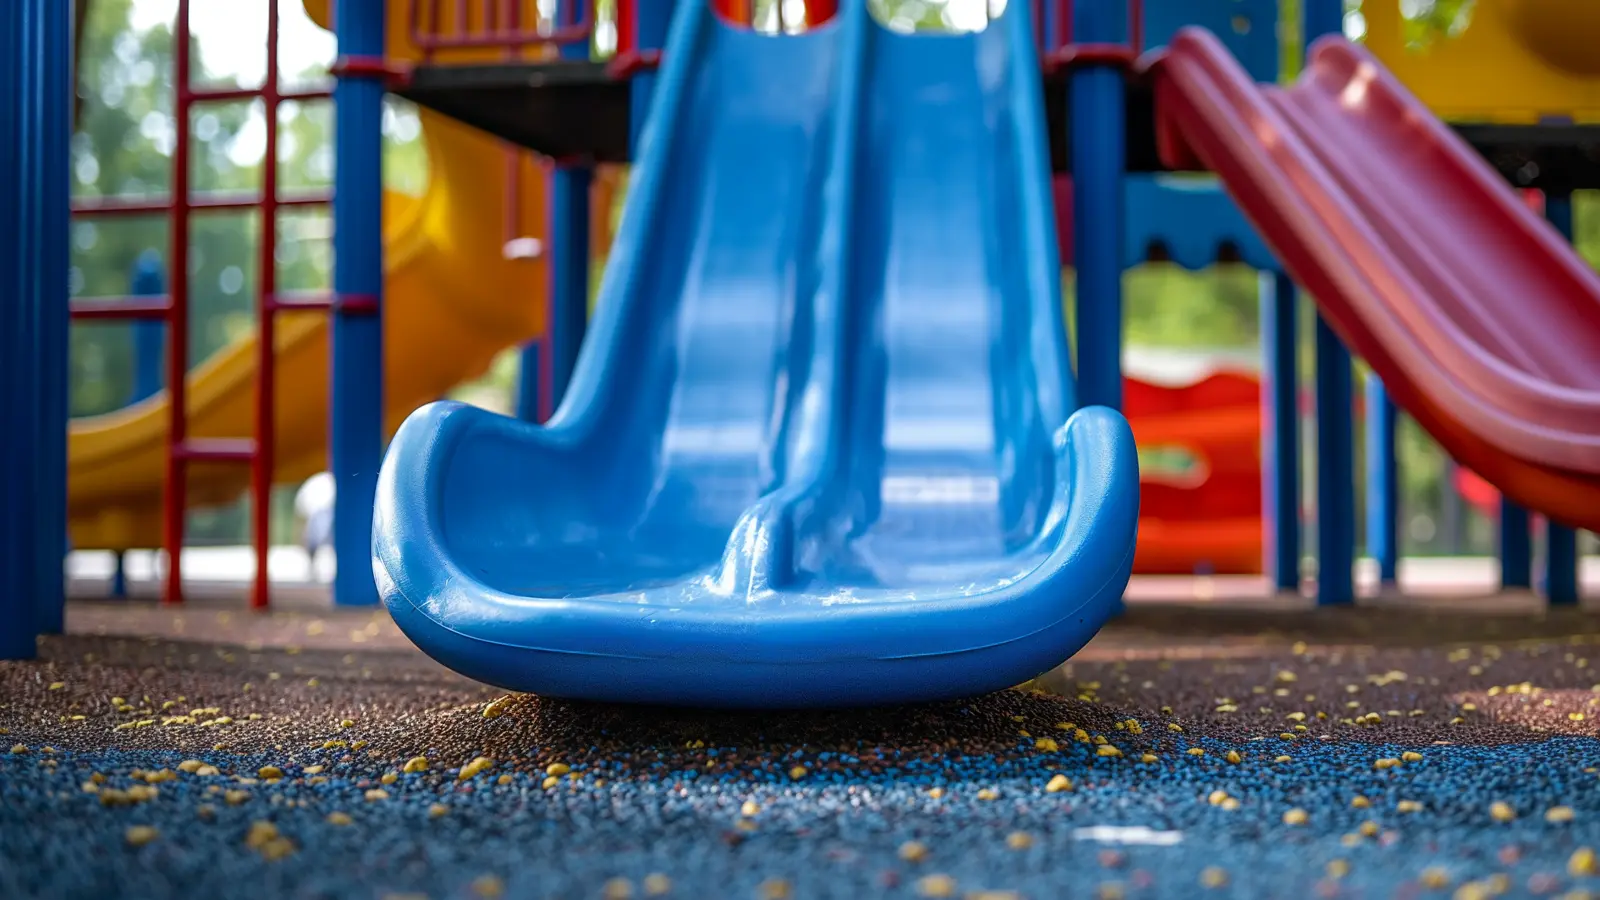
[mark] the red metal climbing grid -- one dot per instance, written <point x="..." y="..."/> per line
<point x="173" y="309"/>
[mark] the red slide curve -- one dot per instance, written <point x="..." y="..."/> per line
<point x="1482" y="322"/>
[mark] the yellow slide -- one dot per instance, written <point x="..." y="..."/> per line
<point x="452" y="302"/>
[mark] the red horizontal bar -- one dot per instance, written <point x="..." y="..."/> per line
<point x="355" y="304"/>
<point x="121" y="308"/>
<point x="367" y="66"/>
<point x="630" y="62"/>
<point x="140" y="206"/>
<point x="250" y="201"/>
<point x="287" y="302"/>
<point x="216" y="450"/>
<point x="121" y="206"/>
<point x="220" y="94"/>
<point x="303" y="94"/>
<point x="232" y="94"/>
<point x="358" y="304"/>
<point x="1076" y="55"/>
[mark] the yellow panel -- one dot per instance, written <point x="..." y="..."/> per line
<point x="1517" y="62"/>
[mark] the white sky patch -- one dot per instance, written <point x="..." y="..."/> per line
<point x="233" y="35"/>
<point x="233" y="38"/>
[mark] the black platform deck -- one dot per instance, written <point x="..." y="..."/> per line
<point x="561" y="109"/>
<point x="576" y="109"/>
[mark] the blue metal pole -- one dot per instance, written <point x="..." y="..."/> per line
<point x="1336" y="536"/>
<point x="569" y="273"/>
<point x="567" y="241"/>
<point x="1336" y="514"/>
<point x="1280" y="333"/>
<point x="1098" y="160"/>
<point x="1383" y="482"/>
<point x="1560" y="542"/>
<point x="569" y="230"/>
<point x="1516" y="547"/>
<point x="149" y="280"/>
<point x="651" y="21"/>
<point x="1322" y="17"/>
<point x="530" y="377"/>
<point x="54" y="98"/>
<point x="1451" y="519"/>
<point x="1049" y="15"/>
<point x="119" y="574"/>
<point x="356" y="428"/>
<point x="19" y="360"/>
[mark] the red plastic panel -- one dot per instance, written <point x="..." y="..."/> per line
<point x="1213" y="522"/>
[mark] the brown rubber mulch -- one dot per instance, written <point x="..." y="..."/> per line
<point x="208" y="675"/>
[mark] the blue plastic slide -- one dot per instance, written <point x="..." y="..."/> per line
<point x="817" y="450"/>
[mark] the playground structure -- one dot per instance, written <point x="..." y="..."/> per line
<point x="467" y="59"/>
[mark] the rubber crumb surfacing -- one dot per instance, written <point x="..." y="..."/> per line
<point x="1207" y="751"/>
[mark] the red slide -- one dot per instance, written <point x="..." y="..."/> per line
<point x="1482" y="322"/>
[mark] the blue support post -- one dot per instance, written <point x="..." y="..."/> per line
<point x="356" y="404"/>
<point x="569" y="272"/>
<point x="149" y="280"/>
<point x="1280" y="333"/>
<point x="1098" y="162"/>
<point x="531" y="405"/>
<point x="119" y="574"/>
<point x="1322" y="17"/>
<point x="55" y="103"/>
<point x="1049" y="24"/>
<point x="569" y="227"/>
<point x="1516" y="547"/>
<point x="1560" y="541"/>
<point x="567" y="242"/>
<point x="19" y="362"/>
<point x="1452" y="522"/>
<point x="1336" y="525"/>
<point x="1336" y="514"/>
<point x="1383" y="482"/>
<point x="652" y="18"/>
<point x="35" y="100"/>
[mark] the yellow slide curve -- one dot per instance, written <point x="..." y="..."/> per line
<point x="452" y="302"/>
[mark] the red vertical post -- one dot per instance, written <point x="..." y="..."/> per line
<point x="627" y="27"/>
<point x="820" y="11"/>
<point x="262" y="463"/>
<point x="176" y="492"/>
<point x="1136" y="25"/>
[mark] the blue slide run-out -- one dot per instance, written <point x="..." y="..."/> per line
<point x="820" y="447"/>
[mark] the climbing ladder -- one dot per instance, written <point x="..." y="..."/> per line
<point x="173" y="308"/>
